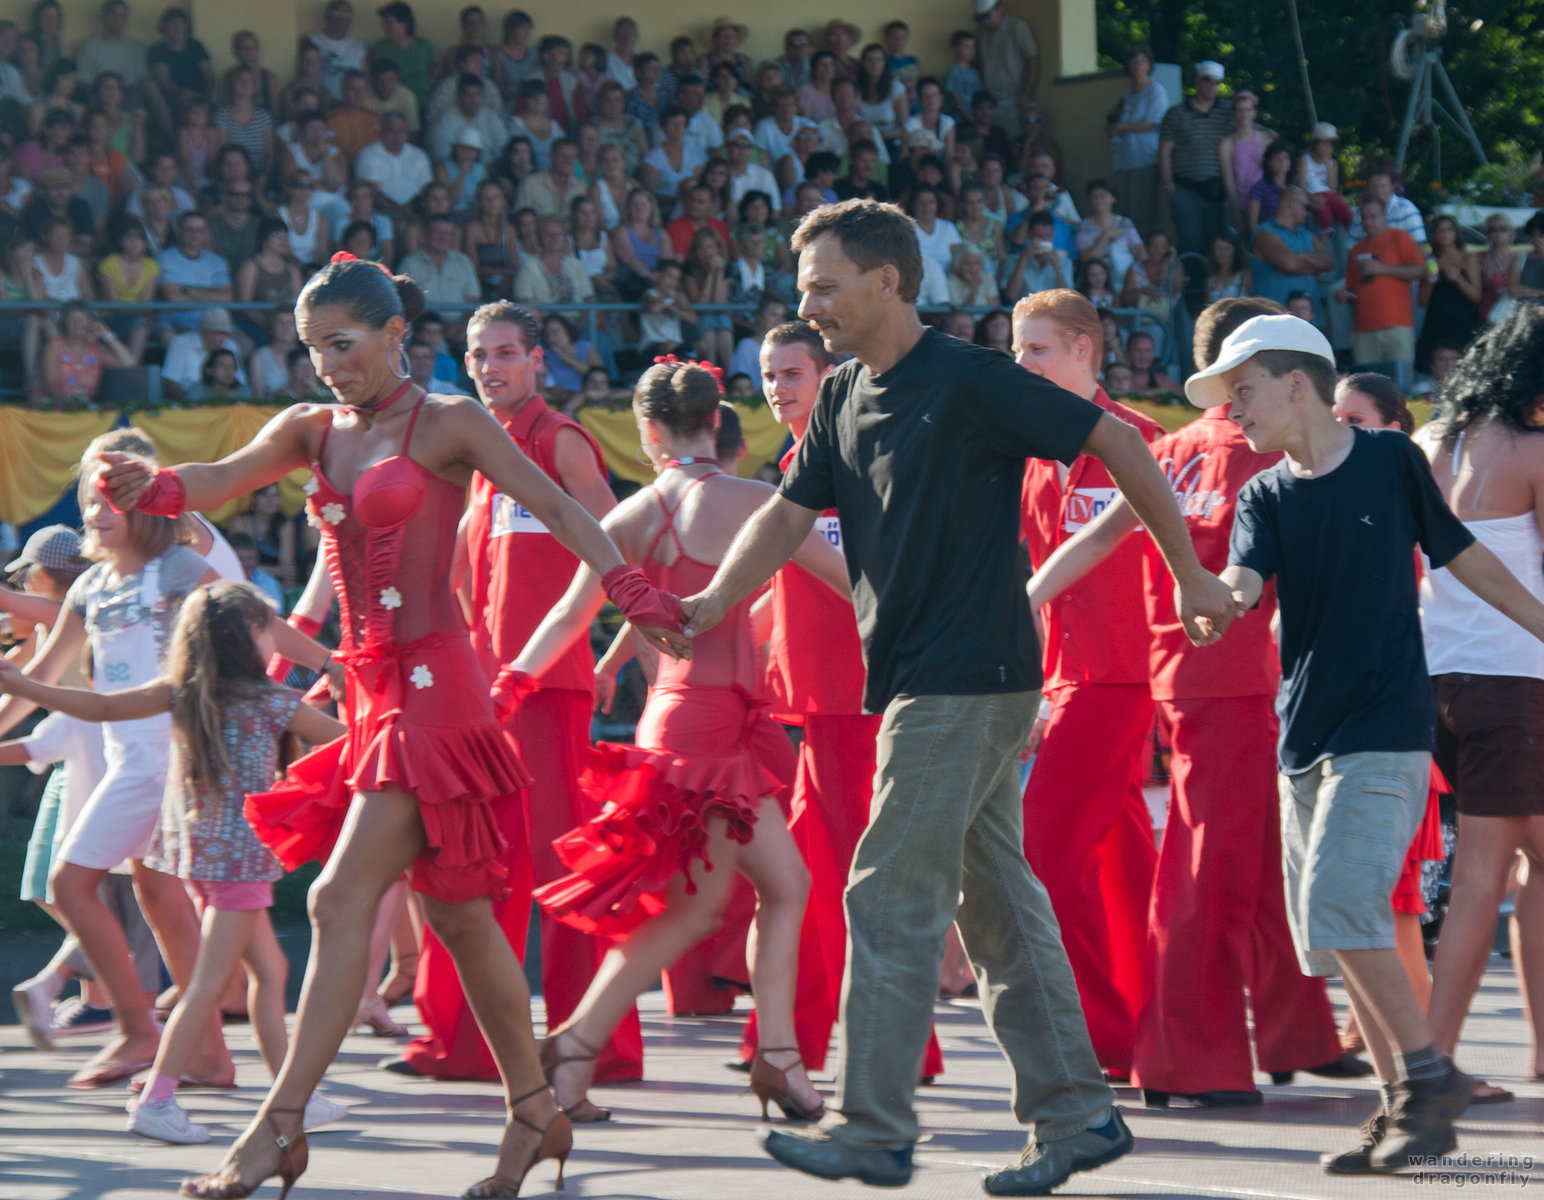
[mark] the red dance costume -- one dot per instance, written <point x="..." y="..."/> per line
<point x="1087" y="831"/>
<point x="420" y="718"/>
<point x="816" y="675"/>
<point x="706" y="749"/>
<point x="1219" y="920"/>
<point x="518" y="573"/>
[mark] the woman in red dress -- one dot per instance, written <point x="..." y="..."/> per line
<point x="693" y="802"/>
<point x="414" y="784"/>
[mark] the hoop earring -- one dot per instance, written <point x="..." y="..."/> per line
<point x="404" y="373"/>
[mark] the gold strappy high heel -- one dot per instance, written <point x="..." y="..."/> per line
<point x="557" y="1140"/>
<point x="292" y="1164"/>
<point x="582" y="1111"/>
<point x="771" y="1084"/>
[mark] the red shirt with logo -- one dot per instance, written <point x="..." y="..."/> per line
<point x="816" y="664"/>
<point x="1208" y="463"/>
<point x="1096" y="630"/>
<point x="519" y="570"/>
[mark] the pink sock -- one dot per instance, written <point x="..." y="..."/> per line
<point x="159" y="1088"/>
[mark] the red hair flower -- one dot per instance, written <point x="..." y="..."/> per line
<point x="713" y="369"/>
<point x="343" y="256"/>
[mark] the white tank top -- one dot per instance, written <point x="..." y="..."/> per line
<point x="1466" y="635"/>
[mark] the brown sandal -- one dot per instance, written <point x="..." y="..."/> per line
<point x="582" y="1111"/>
<point x="771" y="1084"/>
<point x="557" y="1141"/>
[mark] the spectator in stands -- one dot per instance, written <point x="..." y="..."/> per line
<point x="1287" y="253"/>
<point x="306" y="91"/>
<point x="198" y="141"/>
<point x="1154" y="281"/>
<point x="1526" y="277"/>
<point x="902" y="64"/>
<point x="1095" y="283"/>
<point x="488" y="239"/>
<point x="1145" y="377"/>
<point x="1275" y="178"/>
<point x="983" y="119"/>
<point x="71" y="363"/>
<point x="341" y="51"/>
<point x="420" y="369"/>
<point x="161" y="170"/>
<point x="353" y="121"/>
<point x="749" y="280"/>
<point x="186" y="352"/>
<point x="551" y="192"/>
<point x="725" y="37"/>
<point x="697" y="216"/>
<point x="525" y="222"/>
<point x="611" y="189"/>
<point x="113" y="51"/>
<point x="247" y="51"/>
<point x="464" y="60"/>
<point x="268" y="366"/>
<point x="400" y="44"/>
<point x="358" y="238"/>
<point x="672" y="164"/>
<point x="1040" y="266"/>
<point x="1444" y="357"/>
<point x="1133" y="129"/>
<point x="820" y="166"/>
<point x="703" y="133"/>
<point x="617" y="127"/>
<point x="1318" y="174"/>
<point x="592" y="73"/>
<point x="624" y="50"/>
<point x="156" y="207"/>
<point x="744" y="175"/>
<point x="1379" y="271"/>
<point x="1188" y="162"/>
<point x="310" y="153"/>
<point x="179" y="65"/>
<point x="245" y="550"/>
<point x="45" y="152"/>
<point x="303" y="383"/>
<point x="446" y="275"/>
<point x="1010" y="59"/>
<point x="271" y="275"/>
<point x="970" y="281"/>
<point x="128" y="275"/>
<point x="859" y="182"/>
<point x="1241" y="155"/>
<point x="936" y="236"/>
<point x="468" y="112"/>
<point x="57" y="274"/>
<point x="554" y="276"/>
<point x="125" y="121"/>
<point x="707" y="283"/>
<point x="515" y="165"/>
<point x="55" y="201"/>
<point x="977" y="228"/>
<point x="1497" y="263"/>
<point x="77" y="161"/>
<point x="389" y="94"/>
<point x="592" y="247"/>
<point x="1228" y="273"/>
<point x="233" y="227"/>
<point x="1105" y="234"/>
<point x="665" y="310"/>
<point x="1450" y="291"/>
<point x="931" y="116"/>
<point x="61" y="84"/>
<point x="775" y="133"/>
<point x="995" y="332"/>
<point x="1300" y="305"/>
<point x="648" y="98"/>
<point x="218" y="381"/>
<point x="515" y="61"/>
<point x="567" y="357"/>
<point x="1042" y="162"/>
<point x="361" y="208"/>
<point x="1402" y="214"/>
<point x="814" y="94"/>
<point x="562" y="83"/>
<point x="397" y="170"/>
<point x="683" y="62"/>
<point x="882" y="97"/>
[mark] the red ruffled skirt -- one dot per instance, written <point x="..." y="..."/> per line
<point x="702" y="753"/>
<point x="1426" y="847"/>
<point x="422" y="723"/>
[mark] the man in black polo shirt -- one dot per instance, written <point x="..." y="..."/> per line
<point x="1188" y="165"/>
<point x="919" y="443"/>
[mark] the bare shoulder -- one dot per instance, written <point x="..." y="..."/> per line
<point x="633" y="523"/>
<point x="1429" y="436"/>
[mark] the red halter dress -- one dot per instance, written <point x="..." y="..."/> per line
<point x="419" y="716"/>
<point x="706" y="748"/>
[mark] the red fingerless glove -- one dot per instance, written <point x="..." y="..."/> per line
<point x="167" y="495"/>
<point x="510" y="686"/>
<point x="640" y="601"/>
<point x="280" y="667"/>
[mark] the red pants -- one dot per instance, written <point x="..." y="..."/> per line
<point x="1219" y="919"/>
<point x="831" y="795"/>
<point x="552" y="729"/>
<point x="1088" y="836"/>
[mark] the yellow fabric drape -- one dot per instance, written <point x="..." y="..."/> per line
<point x="39" y="452"/>
<point x="209" y="434"/>
<point x="617" y="433"/>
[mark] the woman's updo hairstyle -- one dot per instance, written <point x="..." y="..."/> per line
<point x="682" y="397"/>
<point x="370" y="292"/>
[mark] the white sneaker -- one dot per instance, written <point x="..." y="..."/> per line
<point x="33" y="1001"/>
<point x="167" y="1122"/>
<point x="321" y="1110"/>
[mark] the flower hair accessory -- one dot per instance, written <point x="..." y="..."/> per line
<point x="343" y="256"/>
<point x="713" y="369"/>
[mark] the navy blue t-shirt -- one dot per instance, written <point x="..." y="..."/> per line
<point x="1342" y="550"/>
<point x="924" y="464"/>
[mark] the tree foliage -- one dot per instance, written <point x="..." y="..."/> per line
<point x="1493" y="53"/>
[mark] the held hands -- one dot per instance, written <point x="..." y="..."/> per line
<point x="12" y="681"/>
<point x="703" y="611"/>
<point x="1206" y="608"/>
<point x="337" y="681"/>
<point x="655" y="614"/>
<point x="510" y="686"/>
<point x="605" y="691"/>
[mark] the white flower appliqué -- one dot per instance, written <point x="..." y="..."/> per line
<point x="422" y="677"/>
<point x="332" y="513"/>
<point x="311" y="486"/>
<point x="391" y="598"/>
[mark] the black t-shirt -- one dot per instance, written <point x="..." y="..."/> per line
<point x="873" y="190"/>
<point x="185" y="66"/>
<point x="36" y="212"/>
<point x="1342" y="549"/>
<point x="924" y="464"/>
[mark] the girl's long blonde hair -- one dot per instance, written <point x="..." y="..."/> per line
<point x="213" y="659"/>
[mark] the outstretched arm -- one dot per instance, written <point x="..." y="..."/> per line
<point x="1081" y="553"/>
<point x="565" y="624"/>
<point x="1479" y="570"/>
<point x="1246" y="584"/>
<point x="127" y="705"/>
<point x="1203" y="603"/>
<point x="770" y="538"/>
<point x="63" y="644"/>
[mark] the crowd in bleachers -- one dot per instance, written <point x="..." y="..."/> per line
<point x="511" y="165"/>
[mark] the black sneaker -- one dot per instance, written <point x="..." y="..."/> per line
<point x="1358" y="1159"/>
<point x="818" y="1153"/>
<point x="1047" y="1165"/>
<point x="1421" y="1125"/>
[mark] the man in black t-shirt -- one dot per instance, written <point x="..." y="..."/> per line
<point x="919" y="443"/>
<point x="1336" y="523"/>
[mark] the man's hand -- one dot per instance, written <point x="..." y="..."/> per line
<point x="124" y="478"/>
<point x="703" y="611"/>
<point x="1206" y="607"/>
<point x="667" y="640"/>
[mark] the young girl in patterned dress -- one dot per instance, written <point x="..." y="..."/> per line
<point x="228" y="723"/>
